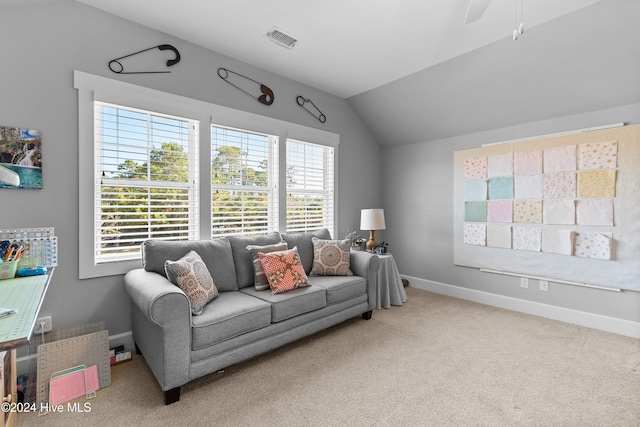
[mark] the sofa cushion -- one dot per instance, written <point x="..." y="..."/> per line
<point x="290" y="304"/>
<point x="331" y="258"/>
<point x="305" y="248"/>
<point x="191" y="275"/>
<point x="216" y="254"/>
<point x="340" y="288"/>
<point x="230" y="315"/>
<point x="284" y="270"/>
<point x="241" y="257"/>
<point x="260" y="281"/>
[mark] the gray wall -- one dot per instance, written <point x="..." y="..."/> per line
<point x="42" y="42"/>
<point x="418" y="203"/>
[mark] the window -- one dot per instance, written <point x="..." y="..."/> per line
<point x="147" y="171"/>
<point x="244" y="173"/>
<point x="146" y="176"/>
<point x="310" y="186"/>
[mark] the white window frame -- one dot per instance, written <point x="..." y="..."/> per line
<point x="104" y="180"/>
<point x="244" y="227"/>
<point x="314" y="182"/>
<point x="92" y="87"/>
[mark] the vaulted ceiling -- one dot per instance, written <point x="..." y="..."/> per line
<point x="345" y="47"/>
<point x="412" y="69"/>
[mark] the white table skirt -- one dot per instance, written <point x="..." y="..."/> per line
<point x="390" y="288"/>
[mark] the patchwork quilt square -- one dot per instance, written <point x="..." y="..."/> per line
<point x="501" y="188"/>
<point x="559" y="185"/>
<point x="597" y="184"/>
<point x="599" y="155"/>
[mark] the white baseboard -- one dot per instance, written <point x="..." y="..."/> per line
<point x="125" y="339"/>
<point x="582" y="318"/>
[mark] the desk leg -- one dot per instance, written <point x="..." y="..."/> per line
<point x="8" y="382"/>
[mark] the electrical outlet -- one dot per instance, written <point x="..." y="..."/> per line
<point x="43" y="324"/>
<point x="524" y="282"/>
<point x="544" y="285"/>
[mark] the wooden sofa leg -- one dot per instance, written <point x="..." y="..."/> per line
<point x="172" y="396"/>
<point x="367" y="315"/>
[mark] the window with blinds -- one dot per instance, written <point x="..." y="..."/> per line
<point x="146" y="180"/>
<point x="310" y="186"/>
<point x="244" y="173"/>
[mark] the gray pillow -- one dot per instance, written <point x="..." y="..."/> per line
<point x="260" y="281"/>
<point x="190" y="274"/>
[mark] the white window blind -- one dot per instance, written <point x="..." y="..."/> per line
<point x="146" y="180"/>
<point x="310" y="186"/>
<point x="244" y="172"/>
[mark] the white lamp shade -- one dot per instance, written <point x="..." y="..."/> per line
<point x="372" y="219"/>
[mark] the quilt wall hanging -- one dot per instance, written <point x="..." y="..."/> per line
<point x="565" y="207"/>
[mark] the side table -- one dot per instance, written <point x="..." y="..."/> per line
<point x="390" y="288"/>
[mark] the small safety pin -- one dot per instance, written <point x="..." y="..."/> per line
<point x="170" y="62"/>
<point x="267" y="96"/>
<point x="318" y="115"/>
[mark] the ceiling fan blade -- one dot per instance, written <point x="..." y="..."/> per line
<point x="476" y="10"/>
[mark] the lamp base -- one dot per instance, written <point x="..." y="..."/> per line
<point x="371" y="243"/>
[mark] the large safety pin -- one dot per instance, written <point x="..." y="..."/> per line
<point x="318" y="114"/>
<point x="267" y="96"/>
<point x="170" y="62"/>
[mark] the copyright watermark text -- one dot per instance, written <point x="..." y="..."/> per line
<point x="73" y="407"/>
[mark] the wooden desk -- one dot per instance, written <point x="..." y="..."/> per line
<point x="24" y="294"/>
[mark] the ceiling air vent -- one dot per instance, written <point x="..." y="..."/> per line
<point x="278" y="36"/>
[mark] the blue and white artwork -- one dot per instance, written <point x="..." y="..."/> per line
<point x="20" y="158"/>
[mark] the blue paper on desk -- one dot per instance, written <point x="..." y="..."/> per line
<point x="33" y="271"/>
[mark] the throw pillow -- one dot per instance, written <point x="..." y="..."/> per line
<point x="260" y="281"/>
<point x="284" y="270"/>
<point x="331" y="258"/>
<point x="191" y="275"/>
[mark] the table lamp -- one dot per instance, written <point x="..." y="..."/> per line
<point x="372" y="220"/>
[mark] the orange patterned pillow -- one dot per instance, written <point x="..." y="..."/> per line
<point x="284" y="270"/>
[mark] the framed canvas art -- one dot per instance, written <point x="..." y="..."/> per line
<point x="20" y="158"/>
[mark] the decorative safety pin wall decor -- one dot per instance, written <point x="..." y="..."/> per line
<point x="316" y="113"/>
<point x="116" y="66"/>
<point x="267" y="96"/>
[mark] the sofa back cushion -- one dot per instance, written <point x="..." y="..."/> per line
<point x="216" y="254"/>
<point x="305" y="247"/>
<point x="242" y="258"/>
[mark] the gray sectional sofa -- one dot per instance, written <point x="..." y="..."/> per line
<point x="241" y="322"/>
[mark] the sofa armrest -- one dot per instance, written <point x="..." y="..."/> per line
<point x="366" y="264"/>
<point x="161" y="325"/>
<point x="154" y="294"/>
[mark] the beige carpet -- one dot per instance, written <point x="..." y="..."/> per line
<point x="434" y="361"/>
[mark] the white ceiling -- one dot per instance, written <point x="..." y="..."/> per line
<point x="346" y="47"/>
